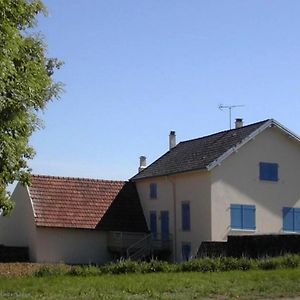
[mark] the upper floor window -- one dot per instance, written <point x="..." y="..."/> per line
<point x="186" y="216"/>
<point x="268" y="171"/>
<point x="242" y="216"/>
<point x="153" y="190"/>
<point x="291" y="219"/>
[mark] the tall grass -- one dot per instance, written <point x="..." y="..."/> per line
<point x="204" y="265"/>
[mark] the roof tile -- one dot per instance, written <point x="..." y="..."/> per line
<point x="198" y="153"/>
<point x="83" y="203"/>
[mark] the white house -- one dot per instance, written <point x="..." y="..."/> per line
<point x="239" y="181"/>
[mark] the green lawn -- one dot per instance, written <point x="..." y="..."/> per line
<point x="227" y="285"/>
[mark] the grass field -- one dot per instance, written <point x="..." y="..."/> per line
<point x="254" y="284"/>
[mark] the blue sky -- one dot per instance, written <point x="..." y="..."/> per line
<point x="134" y="70"/>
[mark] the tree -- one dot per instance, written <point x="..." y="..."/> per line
<point x="26" y="86"/>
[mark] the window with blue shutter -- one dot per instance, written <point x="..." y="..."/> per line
<point x="186" y="216"/>
<point x="153" y="190"/>
<point x="236" y="216"/>
<point x="268" y="171"/>
<point x="291" y="219"/>
<point x="186" y="250"/>
<point x="153" y="224"/>
<point x="242" y="216"/>
<point x="296" y="219"/>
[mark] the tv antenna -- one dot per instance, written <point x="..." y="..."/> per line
<point x="229" y="107"/>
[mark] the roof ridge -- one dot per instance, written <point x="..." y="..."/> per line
<point x="186" y="155"/>
<point x="224" y="131"/>
<point x="75" y="178"/>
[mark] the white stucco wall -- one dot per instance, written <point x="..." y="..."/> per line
<point x="236" y="181"/>
<point x="53" y="245"/>
<point x="18" y="229"/>
<point x="193" y="187"/>
<point x="75" y="246"/>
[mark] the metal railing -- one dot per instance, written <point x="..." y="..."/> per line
<point x="138" y="245"/>
<point x="149" y="245"/>
<point x="120" y="241"/>
<point x="140" y="248"/>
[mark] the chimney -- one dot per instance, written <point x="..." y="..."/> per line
<point x="239" y="123"/>
<point x="143" y="163"/>
<point x="172" y="140"/>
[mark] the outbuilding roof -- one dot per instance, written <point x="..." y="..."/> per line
<point x="198" y="153"/>
<point x="86" y="203"/>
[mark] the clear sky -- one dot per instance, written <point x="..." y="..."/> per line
<point x="136" y="69"/>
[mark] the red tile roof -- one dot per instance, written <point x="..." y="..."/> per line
<point x="79" y="203"/>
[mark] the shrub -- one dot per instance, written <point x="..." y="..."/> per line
<point x="155" y="266"/>
<point x="228" y="264"/>
<point x="245" y="264"/>
<point x="268" y="264"/>
<point x="122" y="267"/>
<point x="195" y="265"/>
<point x="289" y="261"/>
<point x="47" y="270"/>
<point x="200" y="265"/>
<point x="84" y="271"/>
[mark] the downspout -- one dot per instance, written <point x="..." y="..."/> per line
<point x="174" y="218"/>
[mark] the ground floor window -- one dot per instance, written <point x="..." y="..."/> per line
<point x="291" y="219"/>
<point x="153" y="224"/>
<point x="242" y="216"/>
<point x="186" y="251"/>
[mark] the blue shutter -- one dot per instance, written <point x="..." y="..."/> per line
<point x="164" y="222"/>
<point x="288" y="219"/>
<point x="273" y="172"/>
<point x="296" y="219"/>
<point x="236" y="216"/>
<point x="186" y="221"/>
<point x="153" y="224"/>
<point x="186" y="251"/>
<point x="248" y="217"/>
<point x="263" y="171"/>
<point x="153" y="190"/>
<point x="268" y="171"/>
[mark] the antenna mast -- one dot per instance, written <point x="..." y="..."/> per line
<point x="229" y="107"/>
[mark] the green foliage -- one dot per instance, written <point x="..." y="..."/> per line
<point x="281" y="262"/>
<point x="155" y="266"/>
<point x="245" y="264"/>
<point x="123" y="266"/>
<point x="202" y="265"/>
<point x="50" y="270"/>
<point x="84" y="271"/>
<point x="26" y="86"/>
<point x="290" y="261"/>
<point x="268" y="264"/>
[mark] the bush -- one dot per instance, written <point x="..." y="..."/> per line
<point x="200" y="265"/>
<point x="228" y="264"/>
<point x="195" y="265"/>
<point x="84" y="271"/>
<point x="122" y="267"/>
<point x="155" y="266"/>
<point x="47" y="270"/>
<point x="268" y="264"/>
<point x="290" y="261"/>
<point x="245" y="264"/>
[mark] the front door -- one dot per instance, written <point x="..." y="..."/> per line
<point x="164" y="218"/>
